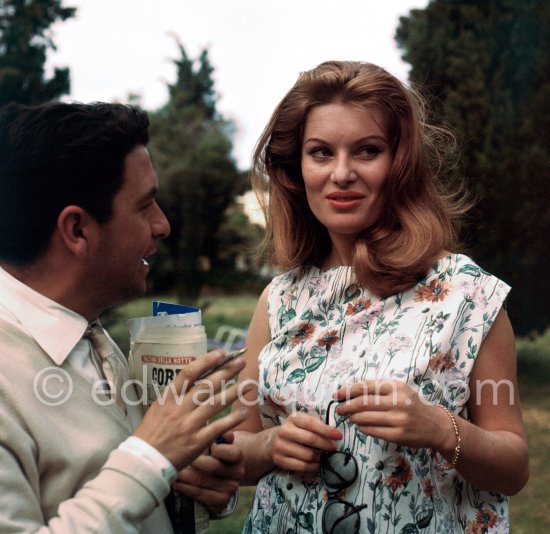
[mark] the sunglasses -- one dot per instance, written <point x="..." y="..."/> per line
<point x="339" y="470"/>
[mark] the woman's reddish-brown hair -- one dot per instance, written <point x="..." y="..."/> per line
<point x="417" y="220"/>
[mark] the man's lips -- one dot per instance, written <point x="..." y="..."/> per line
<point x="144" y="259"/>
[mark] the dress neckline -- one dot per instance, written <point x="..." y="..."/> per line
<point x="433" y="267"/>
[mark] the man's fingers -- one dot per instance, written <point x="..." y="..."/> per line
<point x="208" y="403"/>
<point x="227" y="453"/>
<point x="192" y="372"/>
<point x="224" y="373"/>
<point x="228" y="437"/>
<point x="207" y="465"/>
<point x="184" y="389"/>
<point x="216" y="500"/>
<point x="225" y="423"/>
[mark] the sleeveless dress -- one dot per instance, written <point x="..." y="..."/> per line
<point x="327" y="331"/>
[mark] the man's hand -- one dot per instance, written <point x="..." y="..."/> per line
<point x="177" y="424"/>
<point x="213" y="478"/>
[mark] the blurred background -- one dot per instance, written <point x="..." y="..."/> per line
<point x="210" y="72"/>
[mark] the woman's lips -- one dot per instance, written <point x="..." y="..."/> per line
<point x="344" y="200"/>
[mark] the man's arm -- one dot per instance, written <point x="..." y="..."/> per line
<point x="127" y="490"/>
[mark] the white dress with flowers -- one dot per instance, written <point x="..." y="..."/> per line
<point x="327" y="331"/>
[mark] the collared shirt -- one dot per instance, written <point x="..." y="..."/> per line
<point x="44" y="319"/>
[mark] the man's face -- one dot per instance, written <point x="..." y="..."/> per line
<point x="129" y="237"/>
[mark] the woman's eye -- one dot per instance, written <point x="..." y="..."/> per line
<point x="370" y="151"/>
<point x="319" y="152"/>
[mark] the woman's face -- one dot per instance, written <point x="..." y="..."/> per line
<point x="346" y="159"/>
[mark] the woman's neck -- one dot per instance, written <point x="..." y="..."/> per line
<point x="340" y="254"/>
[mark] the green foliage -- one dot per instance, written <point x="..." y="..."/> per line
<point x="534" y="359"/>
<point x="233" y="281"/>
<point x="191" y="149"/>
<point x="486" y="64"/>
<point x="530" y="509"/>
<point x="24" y="42"/>
<point x="237" y="238"/>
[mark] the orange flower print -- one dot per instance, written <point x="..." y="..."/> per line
<point x="485" y="519"/>
<point x="428" y="487"/>
<point x="327" y="339"/>
<point x="442" y="361"/>
<point x="358" y="305"/>
<point x="434" y="292"/>
<point x="473" y="527"/>
<point x="305" y="331"/>
<point x="401" y="474"/>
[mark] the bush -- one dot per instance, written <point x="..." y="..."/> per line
<point x="231" y="281"/>
<point x="534" y="359"/>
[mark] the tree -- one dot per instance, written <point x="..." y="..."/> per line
<point x="24" y="42"/>
<point x="191" y="148"/>
<point x="486" y="63"/>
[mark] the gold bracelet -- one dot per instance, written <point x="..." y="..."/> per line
<point x="456" y="454"/>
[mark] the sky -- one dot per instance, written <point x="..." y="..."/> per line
<point x="257" y="48"/>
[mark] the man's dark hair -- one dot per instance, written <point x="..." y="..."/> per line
<point x="55" y="155"/>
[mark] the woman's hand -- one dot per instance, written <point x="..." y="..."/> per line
<point x="393" y="411"/>
<point x="298" y="442"/>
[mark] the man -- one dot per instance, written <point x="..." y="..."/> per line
<point x="78" y="218"/>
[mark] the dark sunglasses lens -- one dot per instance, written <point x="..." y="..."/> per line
<point x="341" y="518"/>
<point x="338" y="470"/>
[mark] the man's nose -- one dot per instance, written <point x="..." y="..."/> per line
<point x="161" y="226"/>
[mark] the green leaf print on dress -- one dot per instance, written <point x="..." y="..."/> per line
<point x="327" y="331"/>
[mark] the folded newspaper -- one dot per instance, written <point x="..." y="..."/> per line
<point x="162" y="344"/>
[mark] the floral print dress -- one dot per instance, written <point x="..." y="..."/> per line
<point x="327" y="331"/>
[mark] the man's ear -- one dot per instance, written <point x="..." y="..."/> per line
<point x="74" y="225"/>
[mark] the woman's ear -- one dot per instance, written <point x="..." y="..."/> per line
<point x="74" y="224"/>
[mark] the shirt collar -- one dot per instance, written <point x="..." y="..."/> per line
<point x="55" y="328"/>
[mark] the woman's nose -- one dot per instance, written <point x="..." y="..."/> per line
<point x="342" y="172"/>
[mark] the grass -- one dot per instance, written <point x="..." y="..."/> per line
<point x="530" y="509"/>
<point x="234" y="523"/>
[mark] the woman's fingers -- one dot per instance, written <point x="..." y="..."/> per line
<point x="299" y="442"/>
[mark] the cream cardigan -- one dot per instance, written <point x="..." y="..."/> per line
<point x="60" y="470"/>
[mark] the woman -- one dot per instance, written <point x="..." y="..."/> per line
<point x="385" y="366"/>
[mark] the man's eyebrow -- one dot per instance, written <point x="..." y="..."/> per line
<point x="147" y="196"/>
<point x="152" y="192"/>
